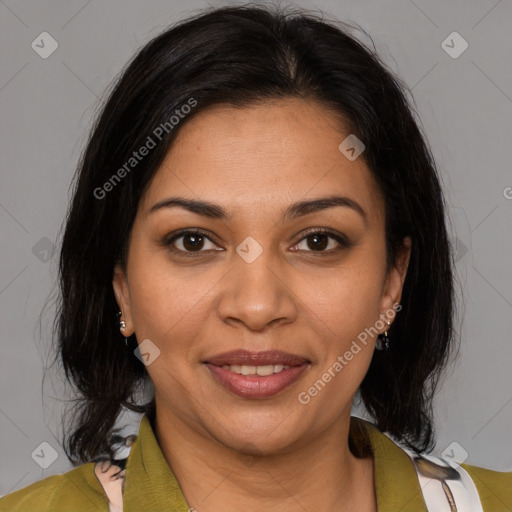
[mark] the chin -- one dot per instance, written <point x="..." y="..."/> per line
<point x="257" y="435"/>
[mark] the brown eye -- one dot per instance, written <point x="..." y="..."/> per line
<point x="193" y="242"/>
<point x="318" y="241"/>
<point x="189" y="242"/>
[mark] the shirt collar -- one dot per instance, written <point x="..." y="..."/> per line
<point x="396" y="481"/>
<point x="151" y="485"/>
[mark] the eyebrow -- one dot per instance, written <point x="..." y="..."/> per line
<point x="293" y="211"/>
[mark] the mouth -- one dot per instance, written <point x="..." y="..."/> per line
<point x="260" y="370"/>
<point x="255" y="358"/>
<point x="256" y="375"/>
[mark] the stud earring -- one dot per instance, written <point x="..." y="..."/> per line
<point x="122" y="325"/>
<point x="383" y="340"/>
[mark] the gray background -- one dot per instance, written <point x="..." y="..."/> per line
<point x="46" y="110"/>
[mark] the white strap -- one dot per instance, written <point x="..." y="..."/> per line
<point x="463" y="490"/>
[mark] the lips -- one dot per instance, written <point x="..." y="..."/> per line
<point x="287" y="369"/>
<point x="262" y="358"/>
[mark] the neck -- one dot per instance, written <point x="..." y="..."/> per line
<point x="320" y="474"/>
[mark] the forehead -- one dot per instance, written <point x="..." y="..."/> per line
<point x="267" y="155"/>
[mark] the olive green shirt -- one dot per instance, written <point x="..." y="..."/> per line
<point x="150" y="485"/>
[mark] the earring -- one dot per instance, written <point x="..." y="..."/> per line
<point x="383" y="340"/>
<point x="122" y="325"/>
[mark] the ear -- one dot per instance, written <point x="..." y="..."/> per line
<point x="122" y="293"/>
<point x="395" y="279"/>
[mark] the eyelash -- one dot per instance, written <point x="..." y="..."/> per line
<point x="341" y="239"/>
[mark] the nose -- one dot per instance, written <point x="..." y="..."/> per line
<point x="258" y="294"/>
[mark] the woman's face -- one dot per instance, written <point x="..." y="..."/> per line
<point x="257" y="279"/>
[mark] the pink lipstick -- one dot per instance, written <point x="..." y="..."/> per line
<point x="256" y="374"/>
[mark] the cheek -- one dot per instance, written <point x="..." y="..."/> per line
<point x="346" y="345"/>
<point x="151" y="299"/>
<point x="347" y="301"/>
<point x="164" y="306"/>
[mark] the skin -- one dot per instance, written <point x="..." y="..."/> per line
<point x="232" y="453"/>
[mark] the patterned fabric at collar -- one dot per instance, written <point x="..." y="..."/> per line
<point x="140" y="476"/>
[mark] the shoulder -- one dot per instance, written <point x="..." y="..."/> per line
<point x="494" y="487"/>
<point x="40" y="494"/>
<point x="76" y="490"/>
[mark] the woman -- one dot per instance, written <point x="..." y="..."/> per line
<point x="258" y="232"/>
